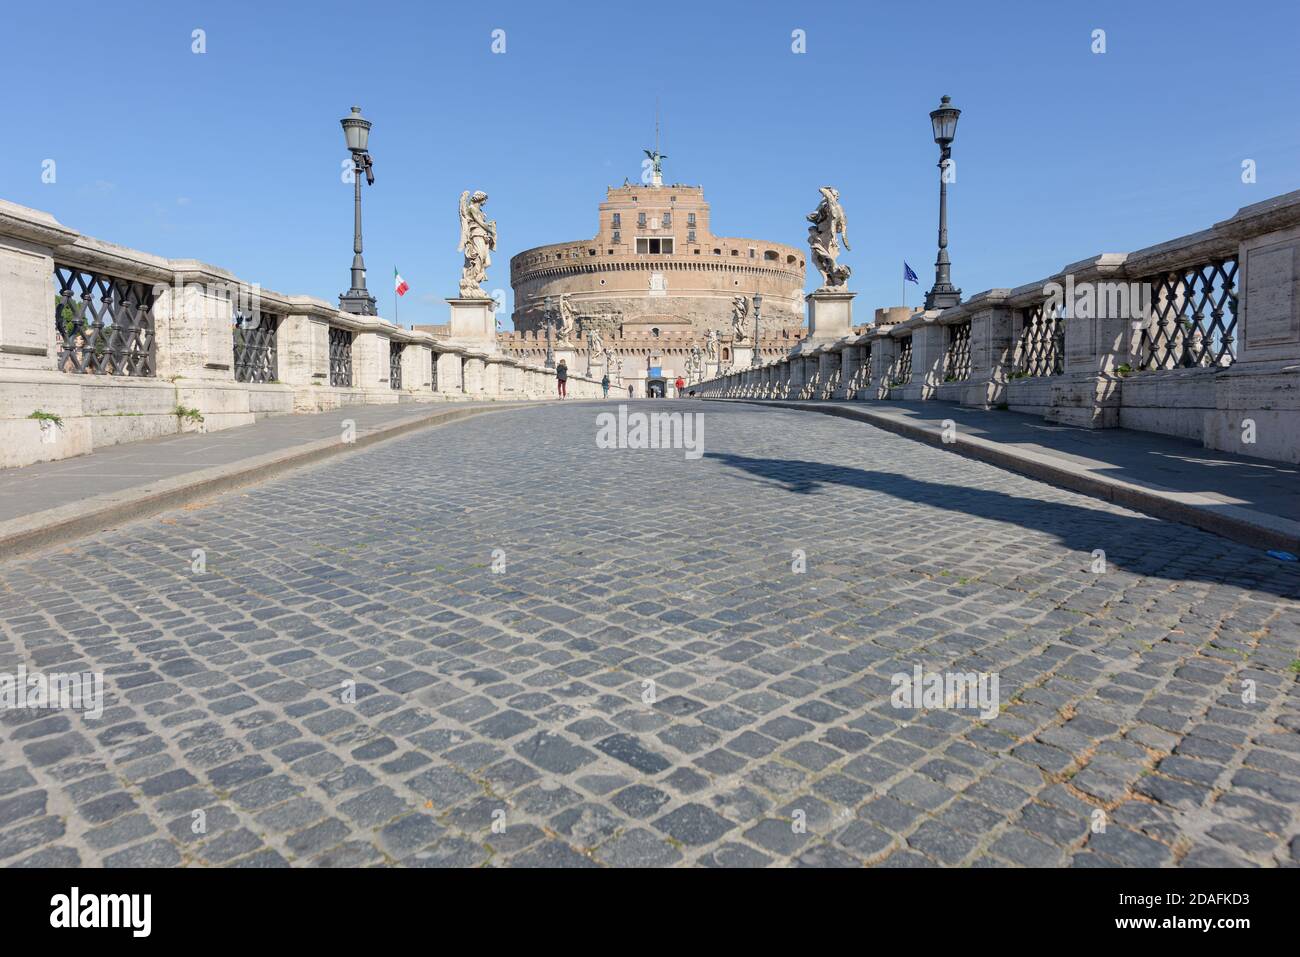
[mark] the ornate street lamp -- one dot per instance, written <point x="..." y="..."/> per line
<point x="944" y="121"/>
<point x="548" y="313"/>
<point x="756" y="360"/>
<point x="356" y="131"/>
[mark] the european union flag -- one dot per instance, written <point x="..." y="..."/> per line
<point x="908" y="275"/>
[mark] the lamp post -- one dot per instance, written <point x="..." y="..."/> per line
<point x="756" y="360"/>
<point x="591" y="345"/>
<point x="944" y="121"/>
<point x="356" y="132"/>
<point x="549" y="314"/>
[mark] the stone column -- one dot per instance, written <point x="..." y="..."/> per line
<point x="302" y="345"/>
<point x="370" y="363"/>
<point x="450" y="383"/>
<point x="492" y="387"/>
<point x="28" y="240"/>
<point x="194" y="315"/>
<point x="1257" y="401"/>
<point x="1088" y="393"/>
<point x="472" y="368"/>
<point x="417" y="368"/>
<point x="849" y="367"/>
<point x="990" y="349"/>
<point x="884" y="352"/>
<point x="929" y="342"/>
<point x="828" y="368"/>
<point x="29" y="376"/>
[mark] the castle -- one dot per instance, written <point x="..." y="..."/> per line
<point x="652" y="284"/>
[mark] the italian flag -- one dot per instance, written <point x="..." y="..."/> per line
<point x="399" y="284"/>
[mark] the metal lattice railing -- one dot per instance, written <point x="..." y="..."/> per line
<point x="1193" y="319"/>
<point x="956" y="359"/>
<point x="340" y="356"/>
<point x="864" y="369"/>
<point x="104" y="325"/>
<point x="902" y="373"/>
<point x="394" y="364"/>
<point x="1040" y="348"/>
<point x="255" y="347"/>
<point x="433" y="370"/>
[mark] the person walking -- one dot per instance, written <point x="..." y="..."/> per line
<point x="604" y="384"/>
<point x="679" y="385"/>
<point x="630" y="393"/>
<point x="562" y="379"/>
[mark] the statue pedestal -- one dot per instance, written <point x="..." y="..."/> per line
<point x="830" y="314"/>
<point x="741" y="357"/>
<point x="830" y="317"/>
<point x="473" y="321"/>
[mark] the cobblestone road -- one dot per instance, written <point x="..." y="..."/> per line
<point x="515" y="698"/>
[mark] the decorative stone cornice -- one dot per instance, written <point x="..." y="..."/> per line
<point x="33" y="225"/>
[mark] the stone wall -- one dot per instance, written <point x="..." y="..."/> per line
<point x="100" y="344"/>
<point x="1197" y="337"/>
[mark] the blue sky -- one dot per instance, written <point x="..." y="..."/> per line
<point x="233" y="156"/>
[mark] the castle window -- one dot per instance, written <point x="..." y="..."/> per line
<point x="617" y="220"/>
<point x="690" y="219"/>
<point x="769" y="255"/>
<point x="640" y="219"/>
<point x="752" y="252"/>
<point x="655" y="332"/>
<point x="654" y="246"/>
<point x="668" y="220"/>
<point x="717" y="252"/>
<point x="690" y="235"/>
<point x="735" y="252"/>
<point x="617" y="238"/>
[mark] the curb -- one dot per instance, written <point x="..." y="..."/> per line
<point x="57" y="526"/>
<point x="1238" y="523"/>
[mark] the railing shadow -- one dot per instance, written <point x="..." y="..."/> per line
<point x="1074" y="527"/>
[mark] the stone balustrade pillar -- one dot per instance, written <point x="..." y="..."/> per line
<point x="884" y="353"/>
<point x="929" y="344"/>
<point x="472" y="371"/>
<point x="450" y="375"/>
<point x="990" y="349"/>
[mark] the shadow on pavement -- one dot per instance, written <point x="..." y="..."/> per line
<point x="1075" y="527"/>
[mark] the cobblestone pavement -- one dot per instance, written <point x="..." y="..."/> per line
<point x="514" y="696"/>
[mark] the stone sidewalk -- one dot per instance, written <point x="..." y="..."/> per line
<point x="51" y="502"/>
<point x="1253" y="501"/>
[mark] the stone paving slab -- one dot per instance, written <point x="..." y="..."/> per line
<point x="1254" y="501"/>
<point x="52" y="502"/>
<point x="493" y="644"/>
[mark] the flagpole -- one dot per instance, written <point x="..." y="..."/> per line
<point x="904" y="284"/>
